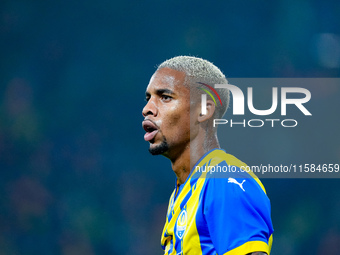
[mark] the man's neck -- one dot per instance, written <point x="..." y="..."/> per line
<point x="182" y="166"/>
<point x="183" y="163"/>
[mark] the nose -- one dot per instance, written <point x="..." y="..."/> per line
<point x="150" y="108"/>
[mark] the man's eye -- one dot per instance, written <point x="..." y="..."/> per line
<point x="147" y="99"/>
<point x="166" y="98"/>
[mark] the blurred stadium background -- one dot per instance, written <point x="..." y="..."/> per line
<point x="75" y="173"/>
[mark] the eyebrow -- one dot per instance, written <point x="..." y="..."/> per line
<point x="160" y="92"/>
<point x="166" y="91"/>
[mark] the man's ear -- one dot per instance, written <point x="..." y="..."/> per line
<point x="210" y="110"/>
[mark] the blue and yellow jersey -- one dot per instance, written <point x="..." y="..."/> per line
<point x="218" y="212"/>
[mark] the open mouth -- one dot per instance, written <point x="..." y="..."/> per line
<point x="151" y="130"/>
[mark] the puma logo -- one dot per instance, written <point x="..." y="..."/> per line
<point x="232" y="180"/>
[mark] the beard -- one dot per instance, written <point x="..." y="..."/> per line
<point x="160" y="149"/>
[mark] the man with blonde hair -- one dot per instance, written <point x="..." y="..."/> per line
<point x="210" y="212"/>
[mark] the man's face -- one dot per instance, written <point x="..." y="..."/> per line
<point x="166" y="114"/>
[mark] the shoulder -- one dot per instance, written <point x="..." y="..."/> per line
<point x="234" y="190"/>
<point x="226" y="179"/>
<point x="235" y="187"/>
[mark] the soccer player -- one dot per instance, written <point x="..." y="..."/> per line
<point x="210" y="211"/>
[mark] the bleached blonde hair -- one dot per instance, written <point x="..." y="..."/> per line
<point x="198" y="71"/>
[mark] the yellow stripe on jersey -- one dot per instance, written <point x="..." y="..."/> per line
<point x="252" y="246"/>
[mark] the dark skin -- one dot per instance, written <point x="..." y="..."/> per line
<point x="168" y="108"/>
<point x="179" y="122"/>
